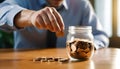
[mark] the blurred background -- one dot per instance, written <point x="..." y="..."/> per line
<point x="107" y="10"/>
<point x="6" y="39"/>
<point x="109" y="13"/>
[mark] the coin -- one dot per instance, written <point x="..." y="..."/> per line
<point x="60" y="34"/>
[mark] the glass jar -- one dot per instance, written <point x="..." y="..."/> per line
<point x="79" y="42"/>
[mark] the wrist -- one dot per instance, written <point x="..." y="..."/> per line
<point x="23" y="19"/>
<point x="30" y="18"/>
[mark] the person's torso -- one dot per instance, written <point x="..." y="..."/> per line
<point x="31" y="37"/>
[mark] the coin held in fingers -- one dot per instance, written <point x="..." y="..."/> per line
<point x="60" y="34"/>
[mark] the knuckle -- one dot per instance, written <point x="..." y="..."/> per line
<point x="49" y="9"/>
<point x="46" y="8"/>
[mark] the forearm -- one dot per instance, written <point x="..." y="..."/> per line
<point x="7" y="14"/>
<point x="22" y="19"/>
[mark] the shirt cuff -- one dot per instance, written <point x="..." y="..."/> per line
<point x="12" y="13"/>
<point x="98" y="44"/>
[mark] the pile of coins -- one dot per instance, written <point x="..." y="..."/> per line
<point x="50" y="59"/>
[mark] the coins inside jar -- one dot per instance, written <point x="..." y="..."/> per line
<point x="80" y="48"/>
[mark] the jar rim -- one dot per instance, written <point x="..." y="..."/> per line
<point x="80" y="27"/>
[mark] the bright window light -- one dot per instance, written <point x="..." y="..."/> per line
<point x="103" y="10"/>
<point x="118" y="28"/>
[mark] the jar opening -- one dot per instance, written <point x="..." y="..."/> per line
<point x="80" y="27"/>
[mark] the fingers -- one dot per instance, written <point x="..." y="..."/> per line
<point x="59" y="19"/>
<point x="45" y="21"/>
<point x="48" y="18"/>
<point x="53" y="19"/>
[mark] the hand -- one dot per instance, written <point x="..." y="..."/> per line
<point x="47" y="18"/>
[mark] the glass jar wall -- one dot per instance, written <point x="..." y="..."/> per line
<point x="79" y="42"/>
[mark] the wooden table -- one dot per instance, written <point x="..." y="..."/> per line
<point x="108" y="58"/>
